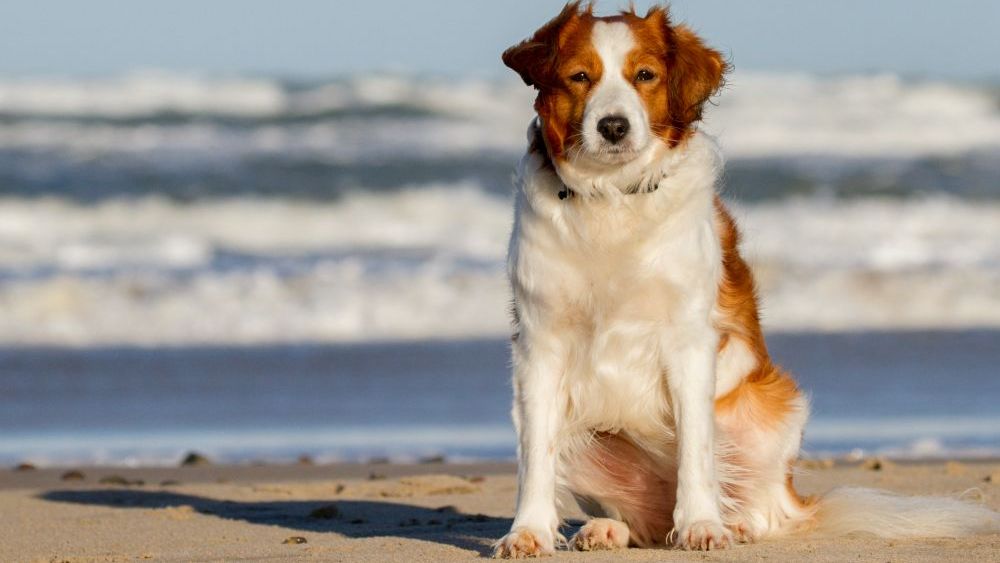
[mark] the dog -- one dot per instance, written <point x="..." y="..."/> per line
<point x="642" y="381"/>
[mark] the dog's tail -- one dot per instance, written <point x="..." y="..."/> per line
<point x="847" y="510"/>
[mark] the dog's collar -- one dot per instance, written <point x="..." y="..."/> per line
<point x="566" y="192"/>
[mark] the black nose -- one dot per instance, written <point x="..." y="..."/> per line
<point x="613" y="128"/>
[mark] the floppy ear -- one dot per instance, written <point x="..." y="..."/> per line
<point x="696" y="72"/>
<point x="527" y="59"/>
<point x="533" y="58"/>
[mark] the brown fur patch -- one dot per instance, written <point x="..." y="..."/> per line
<point x="558" y="50"/>
<point x="766" y="398"/>
<point x="737" y="298"/>
<point x="767" y="395"/>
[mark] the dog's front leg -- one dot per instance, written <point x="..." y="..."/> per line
<point x="538" y="368"/>
<point x="691" y="354"/>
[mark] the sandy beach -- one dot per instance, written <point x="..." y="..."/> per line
<point x="428" y="512"/>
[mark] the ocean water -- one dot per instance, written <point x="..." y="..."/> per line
<point x="159" y="229"/>
<point x="905" y="394"/>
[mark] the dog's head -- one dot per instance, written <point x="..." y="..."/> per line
<point x="613" y="89"/>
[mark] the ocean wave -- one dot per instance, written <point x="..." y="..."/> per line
<point x="874" y="116"/>
<point x="188" y="137"/>
<point x="428" y="263"/>
<point x="319" y="176"/>
<point x="758" y="116"/>
<point x="154" y="94"/>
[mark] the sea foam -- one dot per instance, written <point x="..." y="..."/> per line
<point x="428" y="263"/>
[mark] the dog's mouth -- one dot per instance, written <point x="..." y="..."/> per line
<point x="619" y="150"/>
<point x="613" y="154"/>
<point x="602" y="151"/>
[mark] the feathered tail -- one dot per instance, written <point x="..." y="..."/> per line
<point x="849" y="509"/>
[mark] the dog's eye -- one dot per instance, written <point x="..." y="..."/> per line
<point x="644" y="75"/>
<point x="580" y="77"/>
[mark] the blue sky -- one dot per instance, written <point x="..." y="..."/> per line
<point x="330" y="37"/>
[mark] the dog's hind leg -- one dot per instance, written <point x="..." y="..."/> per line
<point x="630" y="495"/>
<point x="760" y="426"/>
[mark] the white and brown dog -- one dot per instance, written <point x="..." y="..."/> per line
<point x="642" y="382"/>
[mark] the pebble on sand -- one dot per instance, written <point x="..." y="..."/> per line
<point x="877" y="464"/>
<point x="73" y="475"/>
<point x="195" y="458"/>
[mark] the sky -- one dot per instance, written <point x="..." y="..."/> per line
<point x="310" y="38"/>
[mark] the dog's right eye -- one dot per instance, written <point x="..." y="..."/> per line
<point x="580" y="77"/>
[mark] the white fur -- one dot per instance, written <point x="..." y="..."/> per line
<point x="615" y="295"/>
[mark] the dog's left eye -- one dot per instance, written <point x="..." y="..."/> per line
<point x="644" y="76"/>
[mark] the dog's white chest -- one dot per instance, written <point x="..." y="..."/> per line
<point x="606" y="280"/>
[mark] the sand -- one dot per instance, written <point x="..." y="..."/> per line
<point x="433" y="512"/>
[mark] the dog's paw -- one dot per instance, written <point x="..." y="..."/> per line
<point x="743" y="532"/>
<point x="601" y="533"/>
<point x="521" y="543"/>
<point x="703" y="535"/>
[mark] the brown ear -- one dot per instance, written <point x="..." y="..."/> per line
<point x="533" y="58"/>
<point x="695" y="72"/>
<point x="527" y="59"/>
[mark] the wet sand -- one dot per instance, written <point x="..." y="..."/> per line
<point x="382" y="512"/>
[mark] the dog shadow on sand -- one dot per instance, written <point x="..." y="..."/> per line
<point x="351" y="518"/>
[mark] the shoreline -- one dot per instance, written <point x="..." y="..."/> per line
<point x="392" y="512"/>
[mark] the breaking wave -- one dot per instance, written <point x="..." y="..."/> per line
<point x="179" y="208"/>
<point x="187" y="136"/>
<point x="427" y="262"/>
<point x="759" y="115"/>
